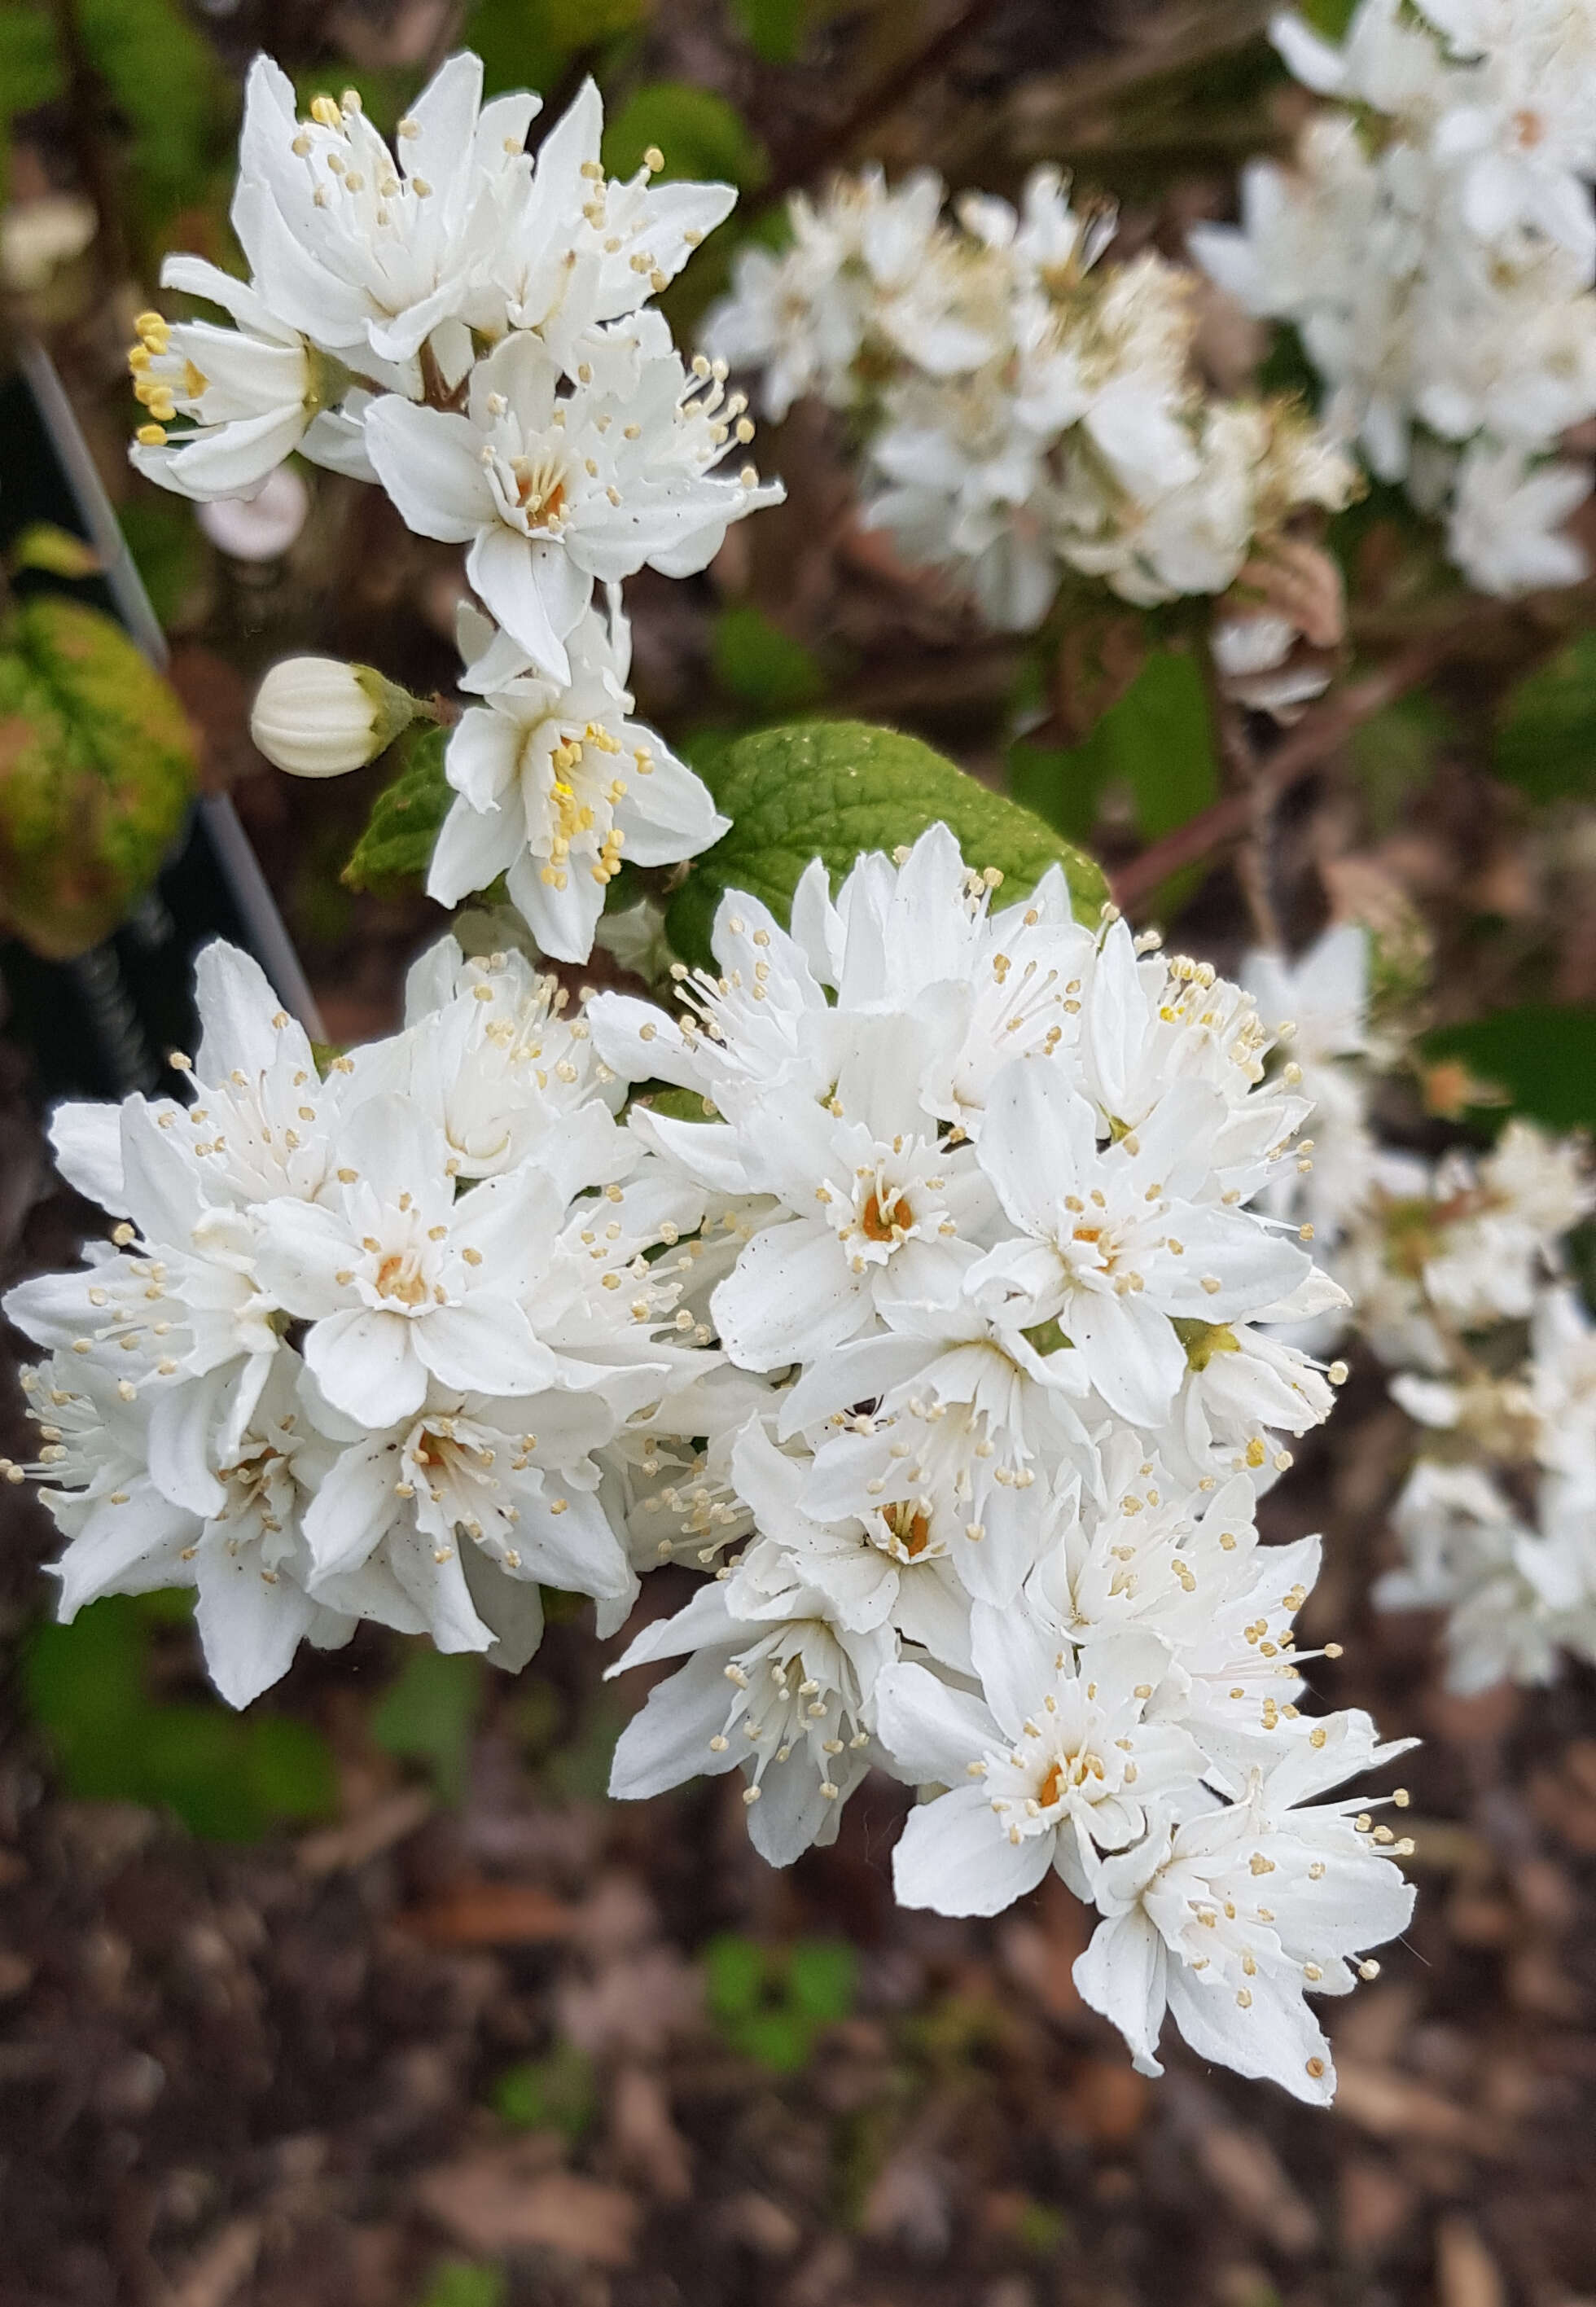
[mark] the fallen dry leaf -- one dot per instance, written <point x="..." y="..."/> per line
<point x="647" y="2144"/>
<point x="1466" y="2275"/>
<point x="1392" y="2106"/>
<point x="219" y="2270"/>
<point x="492" y="1914"/>
<point x="507" y="2198"/>
<point x="1248" y="2172"/>
<point x="332" y="1848"/>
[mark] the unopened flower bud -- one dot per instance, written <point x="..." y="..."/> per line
<point x="318" y="718"/>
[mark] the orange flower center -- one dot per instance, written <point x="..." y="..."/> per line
<point x="884" y="1222"/>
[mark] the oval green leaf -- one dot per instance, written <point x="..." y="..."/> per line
<point x="834" y="789"/>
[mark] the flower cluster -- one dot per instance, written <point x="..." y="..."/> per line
<point x="1029" y="409"/>
<point x="1456" y="1278"/>
<point x="912" y="1283"/>
<point x="470" y="330"/>
<point x="1433" y="242"/>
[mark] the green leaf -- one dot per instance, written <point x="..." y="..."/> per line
<point x="1329" y="18"/>
<point x="1155" y="738"/>
<point x="761" y="665"/>
<point x="1394" y="753"/>
<point x="168" y="85"/>
<point x="1545" y="738"/>
<point x="30" y="72"/>
<point x="832" y="789"/>
<point x="168" y="551"/>
<point x="556" y="2093"/>
<point x="465" y="2283"/>
<point x="227" y="1776"/>
<point x="1156" y="741"/>
<point x="396" y="848"/>
<point x="288" y="1768"/>
<point x="699" y="133"/>
<point x="773" y="29"/>
<point x="1544" y="1056"/>
<point x="429" y="1714"/>
<point x="55" y="551"/>
<point x="734" y="1975"/>
<point x="528" y="43"/>
<point x="822" y="1975"/>
<point x="769" y="2004"/>
<point x="96" y="771"/>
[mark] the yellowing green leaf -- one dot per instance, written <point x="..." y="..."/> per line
<point x="97" y="770"/>
<point x="56" y="551"/>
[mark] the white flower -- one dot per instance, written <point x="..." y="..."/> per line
<point x="1435" y="255"/>
<point x="1323" y="998"/>
<point x="578" y="249"/>
<point x="870" y="266"/>
<point x="1113" y="1244"/>
<point x="400" y="1281"/>
<point x="1561" y="1382"/>
<point x="1053" y="1766"/>
<point x="1516" y="1593"/>
<point x="775" y="1685"/>
<point x="464" y="1512"/>
<point x="252" y="394"/>
<point x="316" y="717"/>
<point x="489" y="1054"/>
<point x="178" y="1308"/>
<point x="258" y="528"/>
<point x="552" y="780"/>
<point x="555" y="490"/>
<point x="368" y="251"/>
<point x="1506" y="527"/>
<point x="244" y="1553"/>
<point x="888" y="1563"/>
<point x="1231" y="1917"/>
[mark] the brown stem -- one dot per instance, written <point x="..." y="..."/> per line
<point x="883" y="95"/>
<point x="1316" y="736"/>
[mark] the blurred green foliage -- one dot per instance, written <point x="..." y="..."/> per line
<point x="771" y="2004"/>
<point x="465" y="2283"/>
<point x="1394" y="753"/>
<point x="533" y="43"/>
<point x="429" y="1713"/>
<point x="1543" y="1055"/>
<point x="1546" y="736"/>
<point x="1154" y="744"/>
<point x="558" y="2092"/>
<point x="227" y="1776"/>
<point x="159" y="84"/>
<point x="699" y="133"/>
<point x="169" y="549"/>
<point x="774" y="30"/>
<point x="761" y="666"/>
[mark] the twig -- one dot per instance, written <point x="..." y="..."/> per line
<point x="1316" y="736"/>
<point x="883" y="95"/>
